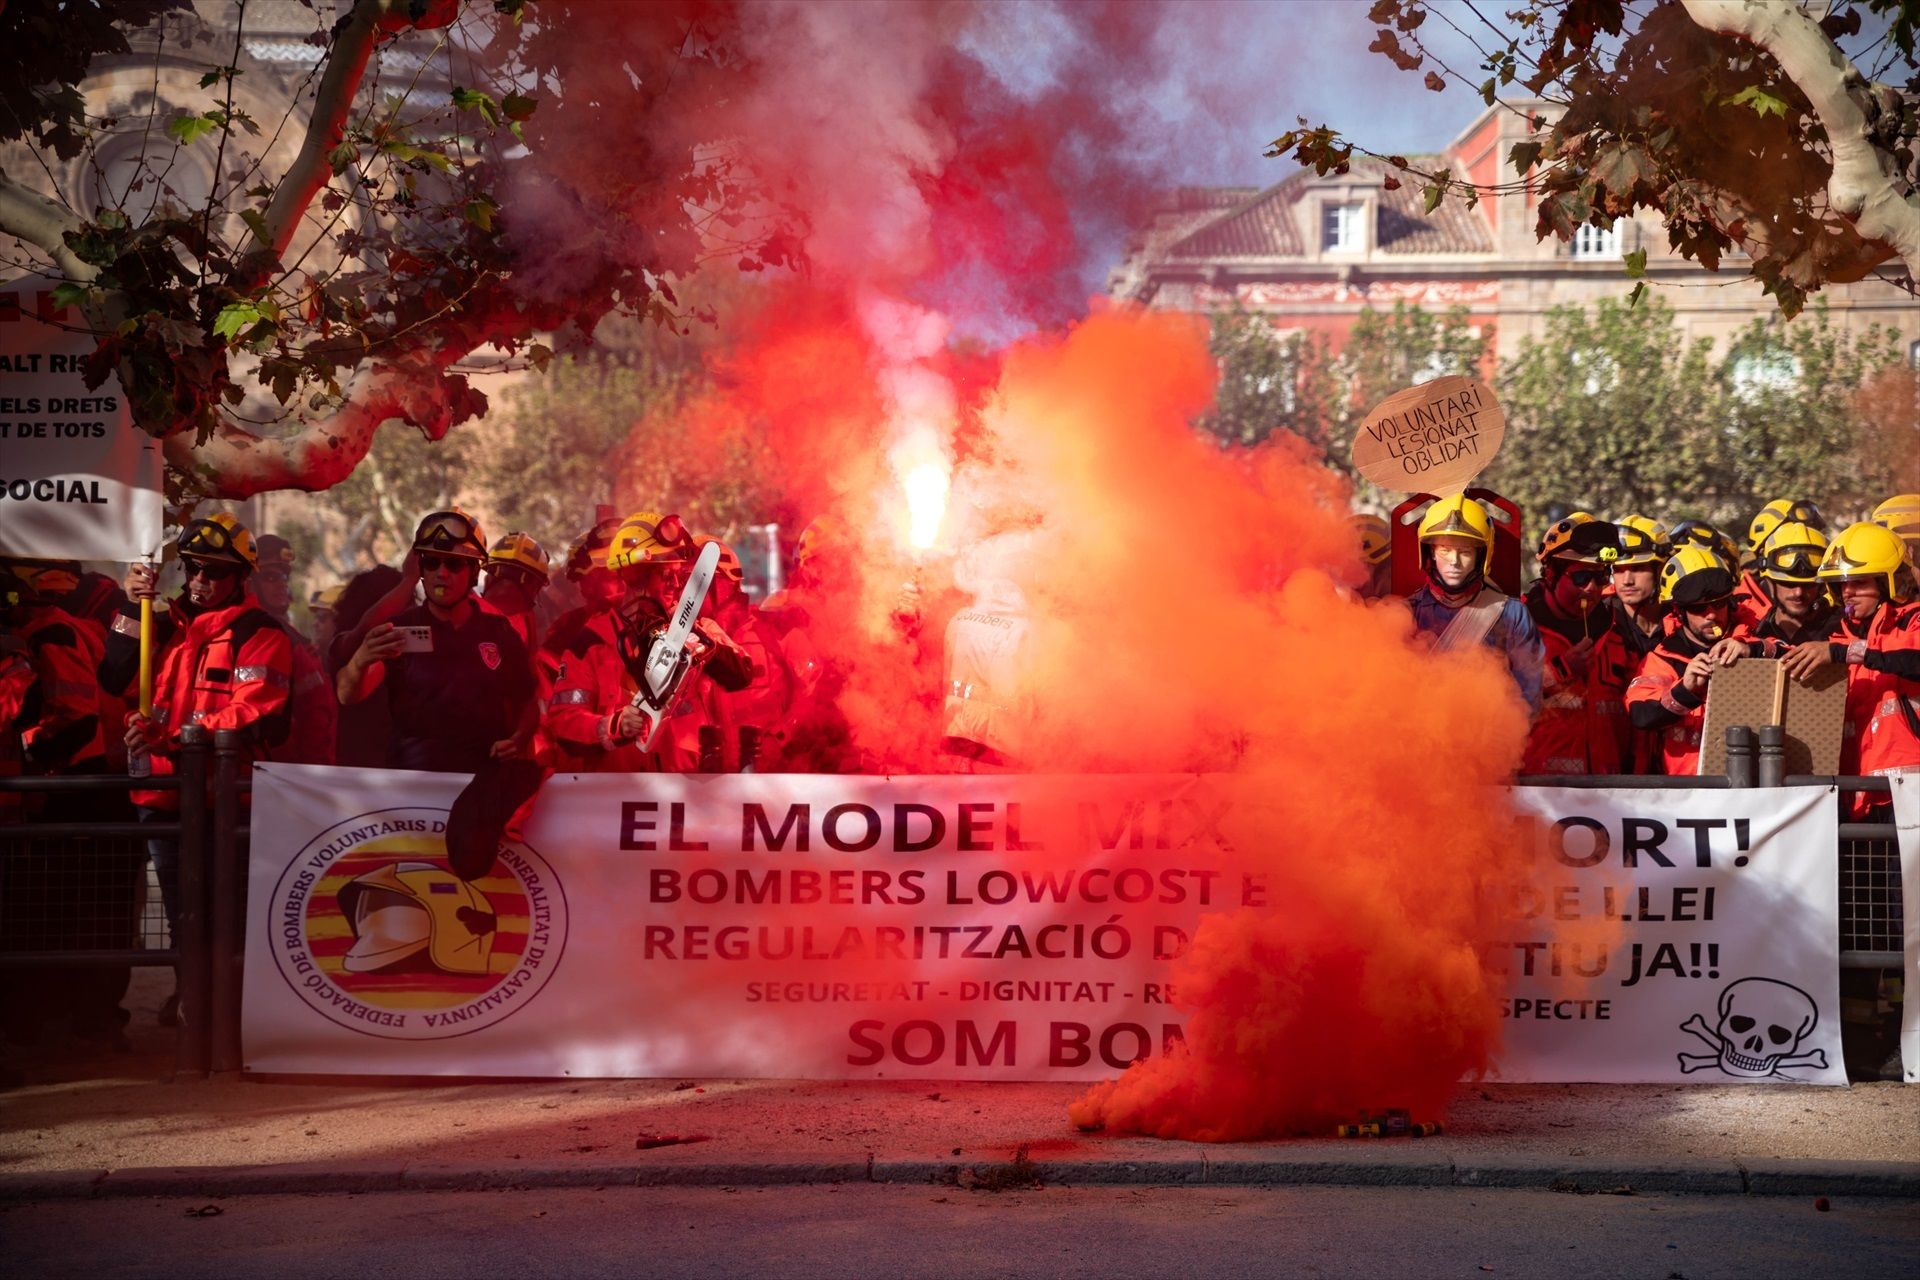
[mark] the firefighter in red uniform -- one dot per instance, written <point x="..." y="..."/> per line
<point x="1901" y="513"/>
<point x="316" y="712"/>
<point x="1670" y="693"/>
<point x="516" y="573"/>
<point x="1753" y="598"/>
<point x="1798" y="612"/>
<point x="221" y="662"/>
<point x="18" y="696"/>
<point x="592" y="712"/>
<point x="67" y="734"/>
<point x="1376" y="545"/>
<point x="599" y="587"/>
<point x="1879" y="641"/>
<point x="1581" y="727"/>
<point x="751" y="715"/>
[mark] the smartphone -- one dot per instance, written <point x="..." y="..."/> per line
<point x="415" y="639"/>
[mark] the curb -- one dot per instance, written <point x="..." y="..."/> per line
<point x="1858" y="1178"/>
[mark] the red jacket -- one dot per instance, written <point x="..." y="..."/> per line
<point x="1582" y="725"/>
<point x="1751" y="601"/>
<point x="1657" y="701"/>
<point x="1883" y="692"/>
<point x="16" y="699"/>
<point x="593" y="686"/>
<point x="227" y="668"/>
<point x="315" y="710"/>
<point x="66" y="733"/>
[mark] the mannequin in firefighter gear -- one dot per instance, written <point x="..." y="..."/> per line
<point x="416" y="916"/>
<point x="221" y="662"/>
<point x="1798" y="611"/>
<point x="1639" y="616"/>
<point x="593" y="711"/>
<point x="1878" y="639"/>
<point x="1582" y="726"/>
<point x="468" y="696"/>
<point x="1901" y="513"/>
<point x="1669" y="696"/>
<point x="762" y="707"/>
<point x="1457" y="609"/>
<point x="516" y="573"/>
<point x="315" y="709"/>
<point x="1376" y="546"/>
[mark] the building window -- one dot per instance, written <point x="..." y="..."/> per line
<point x="1913" y="354"/>
<point x="1340" y="230"/>
<point x="1595" y="242"/>
<point x="1757" y="373"/>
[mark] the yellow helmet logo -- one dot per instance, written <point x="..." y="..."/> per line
<point x="405" y="908"/>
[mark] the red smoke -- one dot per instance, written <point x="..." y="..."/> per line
<point x="1190" y="605"/>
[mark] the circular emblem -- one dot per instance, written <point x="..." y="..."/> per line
<point x="372" y="929"/>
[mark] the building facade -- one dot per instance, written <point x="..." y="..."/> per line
<point x="1311" y="252"/>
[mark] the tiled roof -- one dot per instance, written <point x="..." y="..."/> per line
<point x="1260" y="224"/>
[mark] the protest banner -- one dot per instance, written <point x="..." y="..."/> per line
<point x="1722" y="963"/>
<point x="953" y="927"/>
<point x="1906" y="820"/>
<point x="1431" y="438"/>
<point x="77" y="481"/>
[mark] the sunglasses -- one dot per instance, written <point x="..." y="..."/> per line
<point x="429" y="562"/>
<point x="1585" y="577"/>
<point x="1708" y="606"/>
<point x="211" y="570"/>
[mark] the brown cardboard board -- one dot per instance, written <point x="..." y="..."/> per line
<point x="1815" y="720"/>
<point x="1749" y="693"/>
<point x="1430" y="438"/>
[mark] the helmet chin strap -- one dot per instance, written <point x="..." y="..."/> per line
<point x="1466" y="590"/>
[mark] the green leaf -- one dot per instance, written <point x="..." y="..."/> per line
<point x="234" y="317"/>
<point x="1639" y="292"/>
<point x="540" y="355"/>
<point x="218" y="74"/>
<point x="1636" y="263"/>
<point x="474" y="100"/>
<point x="1523" y="156"/>
<point x="69" y="294"/>
<point x="343" y="156"/>
<point x="186" y="129"/>
<point x="1763" y="103"/>
<point x="1434" y="193"/>
<point x="257" y="223"/>
<point x="480" y="212"/>
<point x="113" y="219"/>
<point x="517" y="106"/>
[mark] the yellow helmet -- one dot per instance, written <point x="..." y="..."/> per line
<point x="1457" y="517"/>
<point x="1701" y="534"/>
<point x="1900" y="513"/>
<point x="646" y="537"/>
<point x="1643" y="540"/>
<point x="1868" y="550"/>
<point x="327" y="599"/>
<point x="1792" y="553"/>
<point x="45" y="579"/>
<point x="729" y="566"/>
<point x="1376" y="537"/>
<point x="451" y="532"/>
<point x="1580" y="537"/>
<point x="824" y="539"/>
<point x="1779" y="512"/>
<point x="589" y="551"/>
<point x="399" y="910"/>
<point x="519" y="549"/>
<point x="1693" y="575"/>
<point x="219" y="537"/>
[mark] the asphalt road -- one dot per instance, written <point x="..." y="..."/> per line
<point x="947" y="1233"/>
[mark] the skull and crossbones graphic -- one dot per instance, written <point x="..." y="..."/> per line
<point x="1763" y="1023"/>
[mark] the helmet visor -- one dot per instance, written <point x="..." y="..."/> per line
<point x="1797" y="563"/>
<point x="450" y="533"/>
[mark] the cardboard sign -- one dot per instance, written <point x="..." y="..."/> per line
<point x="1433" y="438"/>
<point x="1756" y="692"/>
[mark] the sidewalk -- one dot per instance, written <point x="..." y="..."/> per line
<point x="112" y="1125"/>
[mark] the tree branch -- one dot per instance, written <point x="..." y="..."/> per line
<point x="27" y="215"/>
<point x="1865" y="183"/>
<point x="332" y="103"/>
<point x="237" y="464"/>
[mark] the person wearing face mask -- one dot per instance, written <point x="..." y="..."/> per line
<point x="592" y="713"/>
<point x="1669" y="696"/>
<point x="1458" y="609"/>
<point x="220" y="662"/>
<point x="1798" y="611"/>
<point x="1878" y="640"/>
<point x="466" y="696"/>
<point x="1581" y="727"/>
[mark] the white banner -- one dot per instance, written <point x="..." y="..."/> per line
<point x="957" y="927"/>
<point x="1712" y="923"/>
<point x="1906" y="818"/>
<point x="77" y="481"/>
